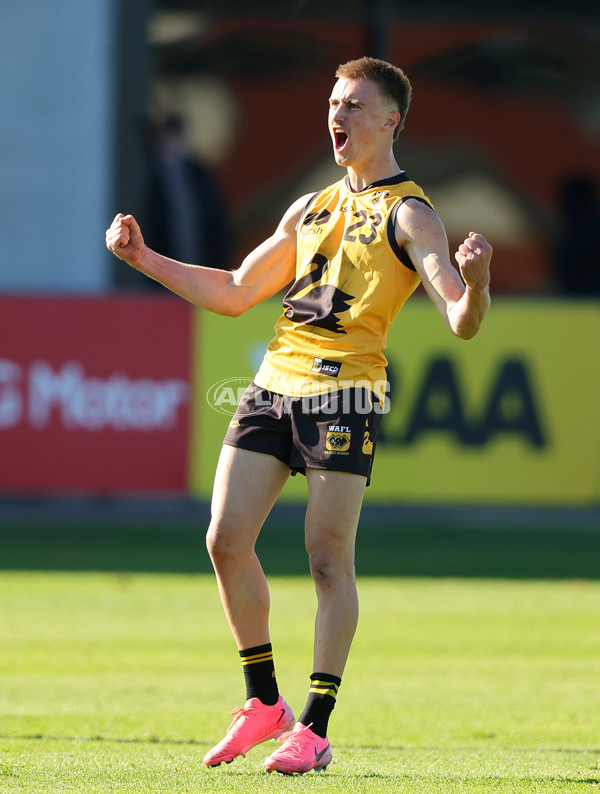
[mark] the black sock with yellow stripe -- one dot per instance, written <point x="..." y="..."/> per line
<point x="320" y="703"/>
<point x="259" y="672"/>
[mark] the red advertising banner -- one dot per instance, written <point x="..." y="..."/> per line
<point x="95" y="394"/>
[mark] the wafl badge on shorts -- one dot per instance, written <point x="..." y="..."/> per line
<point x="337" y="441"/>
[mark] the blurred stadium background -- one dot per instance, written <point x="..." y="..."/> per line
<point x="104" y="375"/>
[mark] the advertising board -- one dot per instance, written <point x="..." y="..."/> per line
<point x="94" y="394"/>
<point x="509" y="417"/>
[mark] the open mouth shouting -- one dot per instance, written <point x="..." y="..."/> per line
<point x="340" y="139"/>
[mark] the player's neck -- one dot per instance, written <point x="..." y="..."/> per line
<point x="360" y="178"/>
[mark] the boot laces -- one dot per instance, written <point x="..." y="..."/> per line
<point x="300" y="738"/>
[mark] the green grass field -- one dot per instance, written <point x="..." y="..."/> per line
<point x="462" y="677"/>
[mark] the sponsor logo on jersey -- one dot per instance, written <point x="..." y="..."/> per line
<point x="324" y="367"/>
<point x="378" y="197"/>
<point x="317" y="218"/>
<point x="313" y="221"/>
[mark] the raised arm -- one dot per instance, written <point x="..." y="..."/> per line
<point x="266" y="270"/>
<point x="462" y="302"/>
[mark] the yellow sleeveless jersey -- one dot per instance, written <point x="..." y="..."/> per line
<point x="351" y="281"/>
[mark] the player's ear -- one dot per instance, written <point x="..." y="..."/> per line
<point x="392" y="121"/>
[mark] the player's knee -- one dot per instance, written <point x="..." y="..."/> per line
<point x="328" y="566"/>
<point x="211" y="542"/>
<point x="219" y="548"/>
<point x="225" y="547"/>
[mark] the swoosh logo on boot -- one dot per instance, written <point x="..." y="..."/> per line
<point x="320" y="755"/>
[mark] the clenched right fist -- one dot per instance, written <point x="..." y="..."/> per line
<point x="124" y="239"/>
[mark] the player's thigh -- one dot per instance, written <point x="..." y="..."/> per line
<point x="246" y="487"/>
<point x="334" y="504"/>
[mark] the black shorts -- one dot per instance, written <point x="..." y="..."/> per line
<point x="335" y="431"/>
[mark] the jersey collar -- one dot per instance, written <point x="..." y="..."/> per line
<point x="393" y="180"/>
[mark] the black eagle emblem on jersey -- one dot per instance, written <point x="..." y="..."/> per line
<point x="321" y="304"/>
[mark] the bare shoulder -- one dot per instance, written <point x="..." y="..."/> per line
<point x="415" y="219"/>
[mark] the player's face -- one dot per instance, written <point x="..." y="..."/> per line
<point x="359" y="119"/>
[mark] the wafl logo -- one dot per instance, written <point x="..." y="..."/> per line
<point x="338" y="439"/>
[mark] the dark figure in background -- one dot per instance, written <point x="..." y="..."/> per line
<point x="185" y="216"/>
<point x="577" y="259"/>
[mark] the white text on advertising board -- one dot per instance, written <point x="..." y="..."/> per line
<point x="42" y="394"/>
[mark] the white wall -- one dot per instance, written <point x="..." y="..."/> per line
<point x="56" y="119"/>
